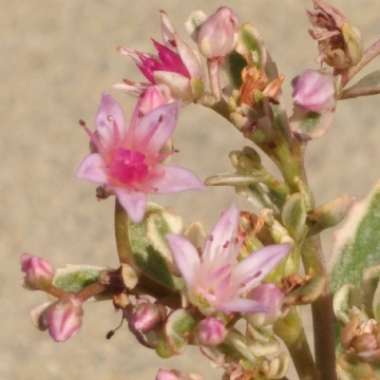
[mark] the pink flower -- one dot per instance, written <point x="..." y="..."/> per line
<point x="38" y="272"/>
<point x="165" y="374"/>
<point x="175" y="64"/>
<point x="217" y="36"/>
<point x="217" y="280"/>
<point x="128" y="161"/>
<point x="211" y="332"/>
<point x="314" y="91"/>
<point x="63" y="319"/>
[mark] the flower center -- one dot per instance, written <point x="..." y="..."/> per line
<point x="128" y="167"/>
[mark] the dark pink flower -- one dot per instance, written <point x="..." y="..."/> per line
<point x="175" y="64"/>
<point x="38" y="272"/>
<point x="217" y="280"/>
<point x="129" y="161"/>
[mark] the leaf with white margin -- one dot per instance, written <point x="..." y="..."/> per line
<point x="357" y="244"/>
<point x="73" y="278"/>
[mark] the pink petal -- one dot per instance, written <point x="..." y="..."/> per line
<point x="223" y="234"/>
<point x="109" y="121"/>
<point x="255" y="267"/>
<point x="242" y="305"/>
<point x="133" y="202"/>
<point x="177" y="179"/>
<point x="189" y="58"/>
<point x="167" y="30"/>
<point x="92" y="169"/>
<point x="155" y="128"/>
<point x="185" y="257"/>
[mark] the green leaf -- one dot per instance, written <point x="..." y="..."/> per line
<point x="179" y="328"/>
<point x="250" y="45"/>
<point x="358" y="242"/>
<point x="235" y="65"/>
<point x="150" y="251"/>
<point x="294" y="215"/>
<point x="73" y="278"/>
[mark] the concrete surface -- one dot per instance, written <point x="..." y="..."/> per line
<point x="57" y="57"/>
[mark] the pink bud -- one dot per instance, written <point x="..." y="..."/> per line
<point x="164" y="374"/>
<point x="153" y="97"/>
<point x="147" y="316"/>
<point x="211" y="332"/>
<point x="38" y="272"/>
<point x="218" y="34"/>
<point x="314" y="91"/>
<point x="270" y="297"/>
<point x="64" y="319"/>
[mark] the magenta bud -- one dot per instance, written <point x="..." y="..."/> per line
<point x="211" y="332"/>
<point x="64" y="319"/>
<point x="153" y="97"/>
<point x="217" y="36"/>
<point x="314" y="91"/>
<point x="147" y="316"/>
<point x="270" y="297"/>
<point x="38" y="272"/>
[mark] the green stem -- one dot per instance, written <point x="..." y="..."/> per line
<point x="121" y="234"/>
<point x="290" y="330"/>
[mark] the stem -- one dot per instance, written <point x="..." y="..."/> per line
<point x="213" y="71"/>
<point x="91" y="291"/>
<point x="371" y="53"/>
<point x="121" y="234"/>
<point x="290" y="330"/>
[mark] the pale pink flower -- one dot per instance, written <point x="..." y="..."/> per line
<point x="211" y="332"/>
<point x="165" y="374"/>
<point x="217" y="280"/>
<point x="175" y="64"/>
<point x="63" y="318"/>
<point x="314" y="91"/>
<point x="271" y="297"/>
<point x="217" y="35"/>
<point x="129" y="161"/>
<point x="38" y="272"/>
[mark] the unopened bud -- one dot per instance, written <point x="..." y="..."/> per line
<point x="165" y="374"/>
<point x="147" y="316"/>
<point x="38" y="272"/>
<point x="270" y="297"/>
<point x="211" y="332"/>
<point x="217" y="36"/>
<point x="64" y="319"/>
<point x="314" y="91"/>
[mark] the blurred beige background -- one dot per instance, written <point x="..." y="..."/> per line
<point x="57" y="57"/>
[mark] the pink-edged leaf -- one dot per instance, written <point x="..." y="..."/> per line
<point x="180" y="86"/>
<point x="175" y="179"/>
<point x="185" y="256"/>
<point x="133" y="202"/>
<point x="92" y="169"/>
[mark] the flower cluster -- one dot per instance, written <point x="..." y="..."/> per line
<point x="233" y="293"/>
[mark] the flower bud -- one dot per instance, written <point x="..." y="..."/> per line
<point x="314" y="91"/>
<point x="38" y="272"/>
<point x="211" y="332"/>
<point x="164" y="374"/>
<point x="218" y="34"/>
<point x="147" y="316"/>
<point x="270" y="297"/>
<point x="64" y="319"/>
